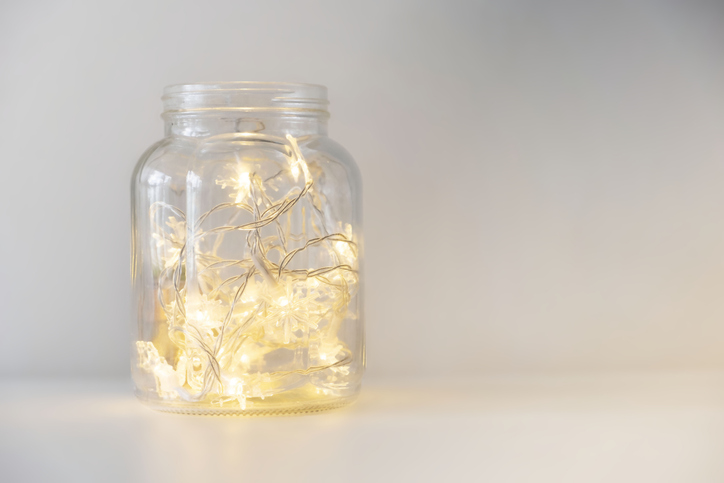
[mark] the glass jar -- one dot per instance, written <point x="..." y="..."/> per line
<point x="246" y="255"/>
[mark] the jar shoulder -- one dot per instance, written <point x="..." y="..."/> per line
<point x="167" y="157"/>
<point x="327" y="148"/>
<point x="333" y="149"/>
<point x="174" y="155"/>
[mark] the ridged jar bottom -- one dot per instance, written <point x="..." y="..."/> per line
<point x="300" y="401"/>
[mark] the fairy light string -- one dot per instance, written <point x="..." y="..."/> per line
<point x="227" y="315"/>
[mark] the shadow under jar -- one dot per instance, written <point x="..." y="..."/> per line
<point x="246" y="255"/>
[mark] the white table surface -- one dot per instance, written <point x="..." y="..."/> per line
<point x="605" y="428"/>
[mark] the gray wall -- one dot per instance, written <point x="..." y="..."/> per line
<point x="543" y="179"/>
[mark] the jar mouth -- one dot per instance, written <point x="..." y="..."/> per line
<point x="246" y="96"/>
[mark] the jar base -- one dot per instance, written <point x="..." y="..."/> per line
<point x="267" y="407"/>
<point x="255" y="412"/>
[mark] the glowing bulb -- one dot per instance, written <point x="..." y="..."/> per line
<point x="243" y="186"/>
<point x="235" y="389"/>
<point x="240" y="182"/>
<point x="344" y="249"/>
<point x="297" y="161"/>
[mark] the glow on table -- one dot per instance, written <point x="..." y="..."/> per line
<point x="644" y="428"/>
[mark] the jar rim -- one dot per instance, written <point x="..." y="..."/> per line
<point x="245" y="95"/>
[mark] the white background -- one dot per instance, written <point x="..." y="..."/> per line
<point x="543" y="180"/>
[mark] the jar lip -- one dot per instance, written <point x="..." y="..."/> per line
<point x="245" y="95"/>
<point x="244" y="85"/>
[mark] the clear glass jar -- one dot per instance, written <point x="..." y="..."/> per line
<point x="246" y="255"/>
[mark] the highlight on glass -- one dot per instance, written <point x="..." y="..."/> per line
<point x="246" y="255"/>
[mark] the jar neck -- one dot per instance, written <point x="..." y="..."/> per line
<point x="211" y="124"/>
<point x="277" y="108"/>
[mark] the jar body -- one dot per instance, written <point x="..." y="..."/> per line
<point x="246" y="257"/>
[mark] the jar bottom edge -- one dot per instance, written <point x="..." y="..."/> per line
<point x="311" y="408"/>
